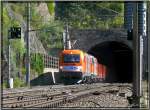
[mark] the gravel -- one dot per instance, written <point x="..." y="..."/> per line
<point x="104" y="99"/>
<point x="105" y="95"/>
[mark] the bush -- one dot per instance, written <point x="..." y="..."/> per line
<point x="4" y="84"/>
<point x="18" y="83"/>
<point x="37" y="63"/>
<point x="51" y="7"/>
<point x="23" y="70"/>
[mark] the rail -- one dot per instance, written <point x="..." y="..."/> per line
<point x="54" y="97"/>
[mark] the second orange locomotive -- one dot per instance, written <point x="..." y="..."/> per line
<point x="76" y="66"/>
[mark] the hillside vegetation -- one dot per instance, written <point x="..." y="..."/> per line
<point x="83" y="15"/>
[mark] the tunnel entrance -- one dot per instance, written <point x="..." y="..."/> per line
<point x="118" y="59"/>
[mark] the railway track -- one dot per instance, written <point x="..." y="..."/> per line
<point x="56" y="96"/>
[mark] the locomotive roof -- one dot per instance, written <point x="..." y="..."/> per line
<point x="77" y="51"/>
<point x="73" y="50"/>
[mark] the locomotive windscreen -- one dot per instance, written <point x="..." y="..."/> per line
<point x="71" y="58"/>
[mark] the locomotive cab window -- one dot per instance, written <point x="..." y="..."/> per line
<point x="71" y="58"/>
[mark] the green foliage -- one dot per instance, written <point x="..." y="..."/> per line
<point x="36" y="19"/>
<point x="15" y="23"/>
<point x="4" y="84"/>
<point x="19" y="7"/>
<point x="51" y="7"/>
<point x="6" y="18"/>
<point x="23" y="71"/>
<point x="85" y="15"/>
<point x="18" y="46"/>
<point x="116" y="22"/>
<point x="18" y="83"/>
<point x="51" y="34"/>
<point x="119" y="7"/>
<point x="37" y="63"/>
<point x="6" y="24"/>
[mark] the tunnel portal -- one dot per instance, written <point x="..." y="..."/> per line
<point x="118" y="59"/>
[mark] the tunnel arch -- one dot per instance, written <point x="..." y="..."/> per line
<point x="118" y="57"/>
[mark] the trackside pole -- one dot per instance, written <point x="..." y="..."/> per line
<point x="148" y="35"/>
<point x="28" y="46"/>
<point x="139" y="32"/>
<point x="136" y="60"/>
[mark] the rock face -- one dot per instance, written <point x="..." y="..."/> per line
<point x="43" y="11"/>
<point x="35" y="44"/>
<point x="86" y="39"/>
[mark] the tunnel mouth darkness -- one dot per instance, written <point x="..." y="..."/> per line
<point x="117" y="57"/>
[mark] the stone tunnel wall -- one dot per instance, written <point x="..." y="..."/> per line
<point x="86" y="39"/>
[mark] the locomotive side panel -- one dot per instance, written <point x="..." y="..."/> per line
<point x="104" y="71"/>
<point x="83" y="62"/>
<point x="95" y="67"/>
<point x="100" y="70"/>
<point x="88" y="65"/>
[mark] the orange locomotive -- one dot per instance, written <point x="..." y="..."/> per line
<point x="78" y="66"/>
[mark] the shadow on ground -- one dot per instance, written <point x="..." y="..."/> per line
<point x="44" y="79"/>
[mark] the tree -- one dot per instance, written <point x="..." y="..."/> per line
<point x="86" y="15"/>
<point x="51" y="34"/>
<point x="51" y="7"/>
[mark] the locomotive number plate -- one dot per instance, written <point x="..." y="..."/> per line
<point x="71" y="68"/>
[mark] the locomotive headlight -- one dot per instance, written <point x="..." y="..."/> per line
<point x="61" y="67"/>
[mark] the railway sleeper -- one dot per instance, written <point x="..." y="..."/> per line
<point x="18" y="105"/>
<point x="14" y="106"/>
